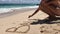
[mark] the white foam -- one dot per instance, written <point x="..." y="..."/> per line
<point x="2" y="10"/>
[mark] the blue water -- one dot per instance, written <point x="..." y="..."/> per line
<point x="7" y="7"/>
<point x="15" y="5"/>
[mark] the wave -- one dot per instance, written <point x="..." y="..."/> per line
<point x="3" y="10"/>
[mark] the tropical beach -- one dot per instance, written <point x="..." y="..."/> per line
<point x="14" y="18"/>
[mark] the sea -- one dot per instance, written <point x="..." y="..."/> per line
<point x="7" y="7"/>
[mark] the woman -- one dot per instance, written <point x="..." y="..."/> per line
<point x="51" y="7"/>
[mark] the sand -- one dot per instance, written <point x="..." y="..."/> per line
<point x="19" y="17"/>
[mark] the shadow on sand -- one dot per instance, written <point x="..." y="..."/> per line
<point x="45" y="21"/>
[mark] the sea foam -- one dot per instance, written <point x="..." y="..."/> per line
<point x="3" y="10"/>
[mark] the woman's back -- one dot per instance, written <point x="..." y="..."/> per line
<point x="53" y="5"/>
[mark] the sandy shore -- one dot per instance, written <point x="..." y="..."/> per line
<point x="15" y="18"/>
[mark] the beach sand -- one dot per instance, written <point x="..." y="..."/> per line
<point x="17" y="17"/>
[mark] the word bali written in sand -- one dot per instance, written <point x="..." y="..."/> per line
<point x="25" y="24"/>
<point x="17" y="28"/>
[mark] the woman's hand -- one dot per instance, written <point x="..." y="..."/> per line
<point x="30" y="16"/>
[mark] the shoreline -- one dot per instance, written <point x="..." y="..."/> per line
<point x="2" y="10"/>
<point x="15" y="11"/>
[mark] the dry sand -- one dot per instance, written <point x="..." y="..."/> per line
<point x="15" y="18"/>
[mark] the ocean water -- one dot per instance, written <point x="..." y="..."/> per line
<point x="8" y="7"/>
<point x="15" y="5"/>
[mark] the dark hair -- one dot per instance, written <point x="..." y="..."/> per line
<point x="48" y="1"/>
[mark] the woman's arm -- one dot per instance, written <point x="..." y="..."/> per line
<point x="36" y="10"/>
<point x="34" y="13"/>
